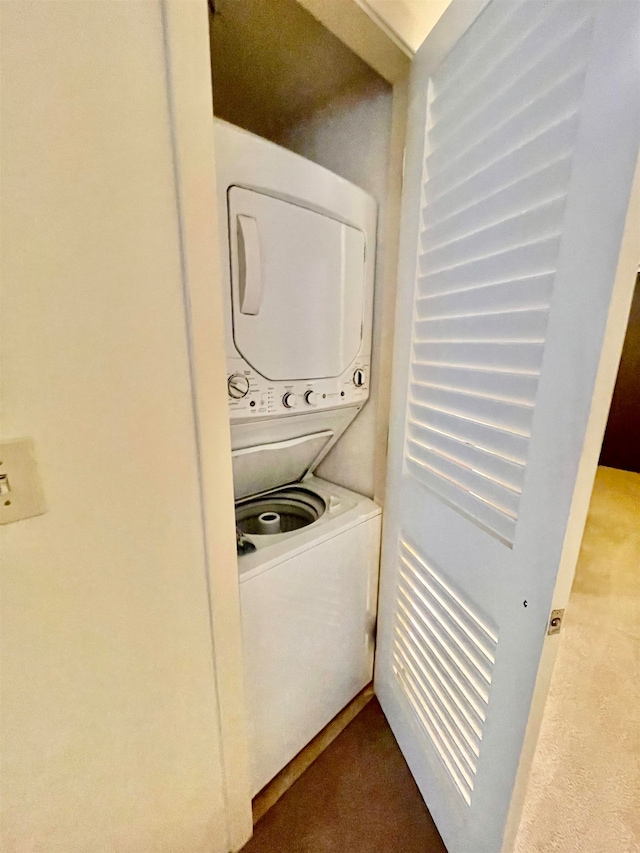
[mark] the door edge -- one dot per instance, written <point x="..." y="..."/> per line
<point x="611" y="352"/>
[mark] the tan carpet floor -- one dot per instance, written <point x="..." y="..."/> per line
<point x="584" y="791"/>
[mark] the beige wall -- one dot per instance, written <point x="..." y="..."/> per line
<point x="273" y="64"/>
<point x="109" y="724"/>
<point x="351" y="136"/>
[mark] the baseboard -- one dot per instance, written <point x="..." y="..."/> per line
<point x="281" y="783"/>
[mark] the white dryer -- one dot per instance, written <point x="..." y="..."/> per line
<point x="298" y="246"/>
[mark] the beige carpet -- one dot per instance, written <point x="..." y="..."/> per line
<point x="584" y="792"/>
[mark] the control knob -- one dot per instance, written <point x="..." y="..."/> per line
<point x="311" y="398"/>
<point x="358" y="378"/>
<point x="238" y="386"/>
<point x="289" y="401"/>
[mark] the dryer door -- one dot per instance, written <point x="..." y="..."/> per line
<point x="297" y="288"/>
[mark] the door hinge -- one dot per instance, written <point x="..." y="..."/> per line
<point x="555" y="622"/>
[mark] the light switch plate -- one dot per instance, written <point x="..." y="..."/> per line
<point x="20" y="491"/>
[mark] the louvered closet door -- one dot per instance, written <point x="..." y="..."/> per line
<point x="523" y="139"/>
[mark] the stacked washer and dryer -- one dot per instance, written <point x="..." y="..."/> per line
<point x="298" y="245"/>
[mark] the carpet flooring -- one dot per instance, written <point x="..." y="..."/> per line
<point x="357" y="797"/>
<point x="584" y="789"/>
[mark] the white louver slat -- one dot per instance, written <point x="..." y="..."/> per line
<point x="443" y="654"/>
<point x="497" y="172"/>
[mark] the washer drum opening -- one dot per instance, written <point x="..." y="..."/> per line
<point x="282" y="511"/>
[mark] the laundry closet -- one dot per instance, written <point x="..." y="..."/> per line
<point x="491" y="296"/>
<point x="305" y="243"/>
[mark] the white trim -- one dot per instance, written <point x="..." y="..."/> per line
<point x="387" y="29"/>
<point x="191" y="110"/>
<point x="389" y="280"/>
<point x="449" y="29"/>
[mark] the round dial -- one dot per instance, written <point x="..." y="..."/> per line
<point x="289" y="401"/>
<point x="238" y="386"/>
<point x="311" y="398"/>
<point x="358" y="378"/>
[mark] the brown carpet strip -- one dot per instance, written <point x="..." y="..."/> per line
<point x="357" y="797"/>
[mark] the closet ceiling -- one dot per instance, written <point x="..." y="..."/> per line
<point x="274" y="64"/>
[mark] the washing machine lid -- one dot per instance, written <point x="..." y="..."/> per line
<point x="267" y="466"/>
<point x="297" y="280"/>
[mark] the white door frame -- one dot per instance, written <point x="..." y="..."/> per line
<point x="188" y="69"/>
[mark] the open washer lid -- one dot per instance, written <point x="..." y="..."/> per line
<point x="267" y="466"/>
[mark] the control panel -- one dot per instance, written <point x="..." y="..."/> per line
<point x="251" y="395"/>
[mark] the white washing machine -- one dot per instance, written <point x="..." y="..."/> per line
<point x="308" y="600"/>
<point x="298" y="243"/>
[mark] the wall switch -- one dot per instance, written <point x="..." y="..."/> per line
<point x="20" y="491"/>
